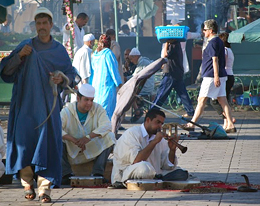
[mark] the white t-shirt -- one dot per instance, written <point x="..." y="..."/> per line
<point x="229" y="61"/>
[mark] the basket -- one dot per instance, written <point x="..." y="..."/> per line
<point x="178" y="33"/>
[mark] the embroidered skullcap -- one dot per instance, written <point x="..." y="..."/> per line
<point x="43" y="10"/>
<point x="134" y="52"/>
<point x="88" y="37"/>
<point x="87" y="90"/>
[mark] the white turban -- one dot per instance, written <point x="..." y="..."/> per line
<point x="88" y="37"/>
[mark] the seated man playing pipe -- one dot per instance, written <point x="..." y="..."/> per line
<point x="142" y="152"/>
<point x="86" y="133"/>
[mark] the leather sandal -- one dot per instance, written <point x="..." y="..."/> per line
<point x="31" y="193"/>
<point x="44" y="198"/>
<point x="231" y="130"/>
<point x="186" y="127"/>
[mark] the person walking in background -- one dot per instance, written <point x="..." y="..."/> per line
<point x="30" y="67"/>
<point x="190" y="35"/>
<point x="82" y="20"/>
<point x="214" y="76"/>
<point x="229" y="57"/>
<point x="115" y="48"/>
<point x="105" y="77"/>
<point x="173" y="77"/>
<point x="82" y="59"/>
<point x="82" y="62"/>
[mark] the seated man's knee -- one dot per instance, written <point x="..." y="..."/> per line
<point x="144" y="170"/>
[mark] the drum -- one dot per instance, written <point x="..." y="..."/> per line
<point x="181" y="185"/>
<point x="81" y="181"/>
<point x="144" y="184"/>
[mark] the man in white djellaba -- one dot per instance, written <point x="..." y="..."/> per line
<point x="82" y="20"/>
<point x="82" y="61"/>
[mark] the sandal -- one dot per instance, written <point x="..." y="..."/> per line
<point x="29" y="194"/>
<point x="45" y="198"/>
<point x="186" y="127"/>
<point x="231" y="130"/>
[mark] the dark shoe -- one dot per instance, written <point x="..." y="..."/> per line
<point x="185" y="127"/>
<point x="158" y="177"/>
<point x="105" y="181"/>
<point x="232" y="130"/>
<point x="121" y="128"/>
<point x="117" y="185"/>
<point x="66" y="179"/>
<point x="29" y="194"/>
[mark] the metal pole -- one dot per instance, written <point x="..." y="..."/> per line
<point x="137" y="24"/>
<point x="101" y="17"/>
<point x="206" y="11"/>
<point x="116" y="26"/>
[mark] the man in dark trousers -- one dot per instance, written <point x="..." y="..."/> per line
<point x="173" y="77"/>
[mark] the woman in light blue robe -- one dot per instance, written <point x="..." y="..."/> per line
<point x="105" y="77"/>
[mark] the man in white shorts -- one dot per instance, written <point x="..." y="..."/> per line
<point x="214" y="76"/>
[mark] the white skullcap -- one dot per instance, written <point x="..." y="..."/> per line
<point x="43" y="10"/>
<point x="134" y="51"/>
<point x="88" y="37"/>
<point x="87" y="90"/>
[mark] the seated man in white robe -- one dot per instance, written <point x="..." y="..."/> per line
<point x="86" y="133"/>
<point x="142" y="152"/>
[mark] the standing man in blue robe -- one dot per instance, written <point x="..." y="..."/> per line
<point x="29" y="67"/>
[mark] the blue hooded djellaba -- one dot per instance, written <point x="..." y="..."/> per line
<point x="32" y="100"/>
<point x="105" y="78"/>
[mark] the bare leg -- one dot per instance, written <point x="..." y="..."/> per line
<point x="198" y="111"/>
<point x="227" y="110"/>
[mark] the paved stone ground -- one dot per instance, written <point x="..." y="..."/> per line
<point x="209" y="160"/>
